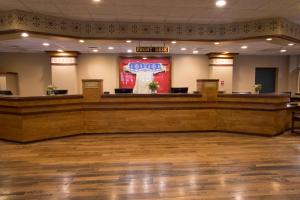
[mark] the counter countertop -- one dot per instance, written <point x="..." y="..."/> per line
<point x="45" y="97"/>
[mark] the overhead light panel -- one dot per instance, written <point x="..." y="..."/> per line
<point x="244" y="47"/>
<point x="128" y="41"/>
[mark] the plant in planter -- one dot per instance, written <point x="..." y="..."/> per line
<point x="153" y="86"/>
<point x="257" y="88"/>
<point x="50" y="89"/>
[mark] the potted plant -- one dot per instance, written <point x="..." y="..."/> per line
<point x="50" y="89"/>
<point x="257" y="88"/>
<point x="153" y="86"/>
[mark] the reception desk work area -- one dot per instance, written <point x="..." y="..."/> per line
<point x="27" y="119"/>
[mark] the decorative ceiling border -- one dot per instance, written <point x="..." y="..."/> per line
<point x="17" y="20"/>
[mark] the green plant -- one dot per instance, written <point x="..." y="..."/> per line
<point x="257" y="87"/>
<point x="153" y="86"/>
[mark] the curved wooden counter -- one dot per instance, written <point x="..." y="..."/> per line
<point x="25" y="119"/>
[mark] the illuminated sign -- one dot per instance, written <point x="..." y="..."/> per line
<point x="152" y="49"/>
<point x="63" y="60"/>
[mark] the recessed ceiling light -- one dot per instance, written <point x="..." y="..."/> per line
<point x="217" y="43"/>
<point x="221" y="3"/>
<point x="269" y="39"/>
<point x="129" y="51"/>
<point x="183" y="49"/>
<point x="46" y="44"/>
<point x="95" y="50"/>
<point x="291" y="44"/>
<point x="81" y="41"/>
<point x="111" y="48"/>
<point x="195" y="52"/>
<point x="244" y="47"/>
<point x="24" y="34"/>
<point x="97" y="1"/>
<point x="225" y="52"/>
<point x="283" y="50"/>
<point x="128" y="41"/>
<point x="60" y="50"/>
<point x="173" y="42"/>
<point x="145" y="58"/>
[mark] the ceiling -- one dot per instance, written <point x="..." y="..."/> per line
<point x="162" y="11"/>
<point x="33" y="44"/>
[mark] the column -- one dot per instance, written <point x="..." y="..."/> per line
<point x="64" y="71"/>
<point x="221" y="67"/>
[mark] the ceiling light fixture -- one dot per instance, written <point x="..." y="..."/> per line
<point x="217" y="43"/>
<point x="183" y="49"/>
<point x="128" y="41"/>
<point x="46" y="44"/>
<point x="145" y="58"/>
<point x="24" y="34"/>
<point x="81" y="41"/>
<point x="225" y="52"/>
<point x="95" y="50"/>
<point x="283" y="50"/>
<point x="269" y="39"/>
<point x="291" y="44"/>
<point x="244" y="47"/>
<point x="129" y="51"/>
<point x="195" y="52"/>
<point x="173" y="42"/>
<point x="60" y="50"/>
<point x="96" y="1"/>
<point x="111" y="48"/>
<point x="221" y="3"/>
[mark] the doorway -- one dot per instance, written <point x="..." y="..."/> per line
<point x="267" y="78"/>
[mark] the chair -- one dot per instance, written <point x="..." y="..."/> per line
<point x="5" y="92"/>
<point x="295" y="118"/>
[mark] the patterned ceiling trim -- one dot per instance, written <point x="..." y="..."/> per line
<point x="25" y="21"/>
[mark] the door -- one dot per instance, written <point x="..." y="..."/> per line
<point x="267" y="78"/>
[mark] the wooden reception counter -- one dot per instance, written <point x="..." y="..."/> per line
<point x="25" y="119"/>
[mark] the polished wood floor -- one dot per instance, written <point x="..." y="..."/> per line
<point x="152" y="166"/>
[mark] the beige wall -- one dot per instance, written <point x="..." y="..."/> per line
<point x="33" y="69"/>
<point x="244" y="71"/>
<point x="99" y="66"/>
<point x="59" y="74"/>
<point x="186" y="69"/>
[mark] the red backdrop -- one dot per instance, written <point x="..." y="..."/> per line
<point x="127" y="79"/>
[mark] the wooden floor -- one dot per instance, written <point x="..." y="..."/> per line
<point x="152" y="166"/>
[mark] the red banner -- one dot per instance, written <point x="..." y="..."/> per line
<point x="137" y="73"/>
